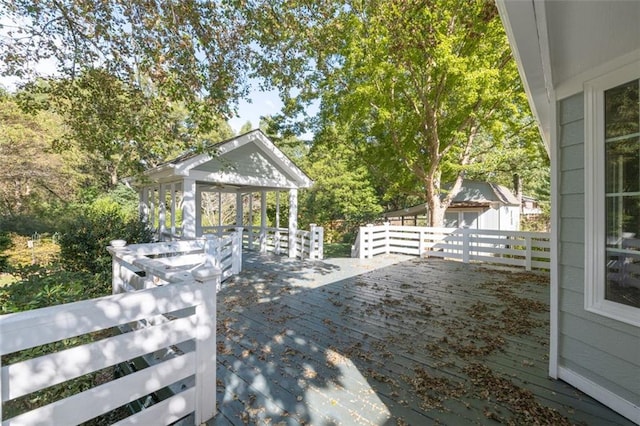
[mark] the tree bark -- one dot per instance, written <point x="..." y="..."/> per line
<point x="517" y="187"/>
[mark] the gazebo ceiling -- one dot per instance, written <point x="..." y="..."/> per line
<point x="250" y="160"/>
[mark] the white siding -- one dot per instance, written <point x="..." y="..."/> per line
<point x="604" y="351"/>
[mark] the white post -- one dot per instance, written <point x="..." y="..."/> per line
<point x="219" y="213"/>
<point x="386" y="237"/>
<point x="205" y="386"/>
<point x="277" y="209"/>
<point x="465" y="245"/>
<point x="320" y="236"/>
<point x="421" y="252"/>
<point x="143" y="205"/>
<point x="528" y="260"/>
<point x="173" y="210"/>
<point x="236" y="251"/>
<point x="239" y="212"/>
<point x="293" y="221"/>
<point x="188" y="208"/>
<point x="263" y="222"/>
<point x="365" y="241"/>
<point x="276" y="237"/>
<point x="162" y="211"/>
<point x="152" y="207"/>
<point x="198" y="210"/>
<point x="250" y="221"/>
<point x="117" y="283"/>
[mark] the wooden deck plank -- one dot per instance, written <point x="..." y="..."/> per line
<point x="315" y="343"/>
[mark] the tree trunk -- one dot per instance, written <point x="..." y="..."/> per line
<point x="436" y="212"/>
<point x="517" y="187"/>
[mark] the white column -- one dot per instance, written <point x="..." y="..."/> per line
<point x="277" y="209"/>
<point x="142" y="206"/>
<point x="276" y="236"/>
<point x="198" y="211"/>
<point x="173" y="210"/>
<point x="263" y="222"/>
<point x="219" y="213"/>
<point x="162" y="211"/>
<point x="293" y="221"/>
<point x="188" y="208"/>
<point x="250" y="224"/>
<point x="239" y="212"/>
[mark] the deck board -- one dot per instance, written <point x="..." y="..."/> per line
<point x="421" y="341"/>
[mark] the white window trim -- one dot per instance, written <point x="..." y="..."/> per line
<point x="595" y="193"/>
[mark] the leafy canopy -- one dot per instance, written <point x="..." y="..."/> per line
<point x="417" y="83"/>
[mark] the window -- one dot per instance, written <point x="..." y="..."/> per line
<point x="612" y="195"/>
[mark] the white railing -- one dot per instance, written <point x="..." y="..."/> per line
<point x="527" y="249"/>
<point x="175" y="314"/>
<point x="308" y="244"/>
<point x="162" y="262"/>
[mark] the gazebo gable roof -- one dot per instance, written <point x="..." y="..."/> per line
<point x="250" y="159"/>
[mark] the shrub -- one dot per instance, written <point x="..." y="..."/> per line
<point x="84" y="241"/>
<point x="5" y="244"/>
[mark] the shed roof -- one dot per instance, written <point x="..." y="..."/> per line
<point x="248" y="160"/>
<point x="472" y="194"/>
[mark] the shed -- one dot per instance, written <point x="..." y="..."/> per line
<point x="478" y="205"/>
<point x="247" y="166"/>
<point x="580" y="65"/>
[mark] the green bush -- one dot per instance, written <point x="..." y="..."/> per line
<point x="5" y="244"/>
<point x="84" y="241"/>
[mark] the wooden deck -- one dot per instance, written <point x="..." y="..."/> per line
<point x="420" y="342"/>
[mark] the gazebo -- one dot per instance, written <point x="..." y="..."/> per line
<point x="171" y="194"/>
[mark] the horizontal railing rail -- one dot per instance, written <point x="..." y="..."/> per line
<point x="184" y="311"/>
<point x="139" y="266"/>
<point x="308" y="244"/>
<point x="515" y="248"/>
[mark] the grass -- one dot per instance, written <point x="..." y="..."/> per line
<point x="337" y="250"/>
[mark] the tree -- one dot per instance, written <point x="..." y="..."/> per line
<point x="416" y="83"/>
<point x="192" y="52"/>
<point x="342" y="189"/>
<point x="30" y="173"/>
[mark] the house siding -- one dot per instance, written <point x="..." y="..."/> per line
<point x="602" y="350"/>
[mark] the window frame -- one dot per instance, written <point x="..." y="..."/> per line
<point x="594" y="191"/>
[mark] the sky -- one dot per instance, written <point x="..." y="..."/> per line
<point x="262" y="104"/>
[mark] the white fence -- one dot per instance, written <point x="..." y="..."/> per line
<point x="307" y="244"/>
<point x="140" y="266"/>
<point x="175" y="314"/>
<point x="514" y="248"/>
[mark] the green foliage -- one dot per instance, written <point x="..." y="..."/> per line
<point x="48" y="287"/>
<point x="5" y="244"/>
<point x="342" y="190"/>
<point x="31" y="175"/>
<point x="414" y="84"/>
<point x="189" y="52"/>
<point x="85" y="237"/>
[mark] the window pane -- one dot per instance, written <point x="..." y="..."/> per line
<point x="622" y="187"/>
<point x="623" y="166"/>
<point x="451" y="220"/>
<point x="623" y="278"/>
<point x="622" y="115"/>
<point x="623" y="220"/>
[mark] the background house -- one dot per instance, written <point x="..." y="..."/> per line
<point x="478" y="205"/>
<point x="580" y="65"/>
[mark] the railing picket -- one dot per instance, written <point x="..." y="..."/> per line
<point x="492" y="246"/>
